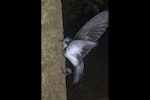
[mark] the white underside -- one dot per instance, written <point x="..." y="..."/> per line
<point x="71" y="55"/>
<point x="74" y="49"/>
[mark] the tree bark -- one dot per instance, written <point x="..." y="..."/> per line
<point x="53" y="80"/>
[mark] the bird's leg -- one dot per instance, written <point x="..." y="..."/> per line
<point x="67" y="72"/>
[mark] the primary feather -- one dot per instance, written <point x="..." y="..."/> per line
<point x="94" y="28"/>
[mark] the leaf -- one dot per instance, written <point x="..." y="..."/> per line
<point x="96" y="9"/>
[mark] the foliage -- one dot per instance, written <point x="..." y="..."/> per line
<point x="74" y="8"/>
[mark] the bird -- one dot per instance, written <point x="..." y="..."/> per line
<point x="83" y="42"/>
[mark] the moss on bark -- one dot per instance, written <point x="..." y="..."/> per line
<point x="53" y="80"/>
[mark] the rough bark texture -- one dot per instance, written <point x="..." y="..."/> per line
<point x="53" y="80"/>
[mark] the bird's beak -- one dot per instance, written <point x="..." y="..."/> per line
<point x="61" y="40"/>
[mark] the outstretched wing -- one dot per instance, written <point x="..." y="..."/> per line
<point x="94" y="28"/>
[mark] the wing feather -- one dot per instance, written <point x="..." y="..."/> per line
<point x="94" y="28"/>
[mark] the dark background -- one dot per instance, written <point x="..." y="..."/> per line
<point x="94" y="85"/>
<point x="21" y="50"/>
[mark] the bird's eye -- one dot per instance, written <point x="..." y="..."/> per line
<point x="67" y="41"/>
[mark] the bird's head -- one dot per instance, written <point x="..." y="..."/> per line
<point x="66" y="41"/>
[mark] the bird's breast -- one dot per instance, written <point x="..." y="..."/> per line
<point x="71" y="54"/>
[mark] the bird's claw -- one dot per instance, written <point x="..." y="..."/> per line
<point x="67" y="72"/>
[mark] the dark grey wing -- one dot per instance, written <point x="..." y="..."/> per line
<point x="94" y="28"/>
<point x="89" y="45"/>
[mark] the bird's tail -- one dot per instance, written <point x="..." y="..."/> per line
<point x="78" y="74"/>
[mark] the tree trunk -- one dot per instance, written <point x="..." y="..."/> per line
<point x="53" y="80"/>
